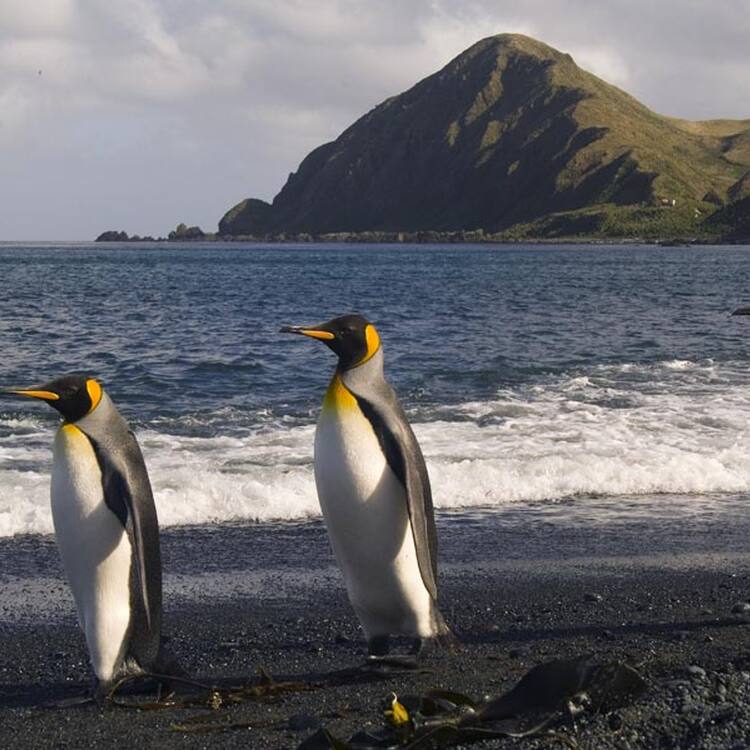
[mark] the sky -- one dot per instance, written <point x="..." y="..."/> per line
<point x="142" y="114"/>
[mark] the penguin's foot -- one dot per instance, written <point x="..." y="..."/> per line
<point x="379" y="654"/>
<point x="137" y="683"/>
<point x="380" y="645"/>
<point x="101" y="691"/>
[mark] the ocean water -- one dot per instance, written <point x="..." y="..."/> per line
<point x="531" y="374"/>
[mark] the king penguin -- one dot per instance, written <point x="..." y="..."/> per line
<point x="374" y="493"/>
<point x="107" y="531"/>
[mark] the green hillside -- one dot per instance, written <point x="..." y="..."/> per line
<point x="513" y="138"/>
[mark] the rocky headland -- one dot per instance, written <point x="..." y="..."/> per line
<point x="510" y="141"/>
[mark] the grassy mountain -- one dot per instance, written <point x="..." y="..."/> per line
<point x="513" y="137"/>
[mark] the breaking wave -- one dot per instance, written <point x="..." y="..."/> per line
<point x="676" y="427"/>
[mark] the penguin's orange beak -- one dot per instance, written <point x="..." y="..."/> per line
<point x="34" y="393"/>
<point x="313" y="333"/>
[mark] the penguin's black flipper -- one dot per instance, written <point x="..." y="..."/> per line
<point x="404" y="456"/>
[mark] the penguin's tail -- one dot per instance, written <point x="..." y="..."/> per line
<point x="445" y="638"/>
<point x="167" y="664"/>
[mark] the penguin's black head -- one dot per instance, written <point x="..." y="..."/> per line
<point x="74" y="396"/>
<point x="352" y="338"/>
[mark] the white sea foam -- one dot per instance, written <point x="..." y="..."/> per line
<point x="674" y="427"/>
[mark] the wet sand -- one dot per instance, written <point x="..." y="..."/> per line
<point x="651" y="581"/>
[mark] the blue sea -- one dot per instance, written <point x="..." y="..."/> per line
<point x="531" y="374"/>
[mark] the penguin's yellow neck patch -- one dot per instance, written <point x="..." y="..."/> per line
<point x="75" y="440"/>
<point x="338" y="397"/>
<point x="95" y="393"/>
<point x="373" y="343"/>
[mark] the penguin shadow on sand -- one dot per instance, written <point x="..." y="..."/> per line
<point x="610" y="632"/>
<point x="47" y="695"/>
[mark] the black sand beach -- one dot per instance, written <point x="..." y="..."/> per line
<point x="652" y="581"/>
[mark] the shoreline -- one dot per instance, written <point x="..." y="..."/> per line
<point x="520" y="588"/>
<point x="433" y="238"/>
<point x="665" y="242"/>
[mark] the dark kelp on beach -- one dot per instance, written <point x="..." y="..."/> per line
<point x="545" y="702"/>
<point x="546" y="697"/>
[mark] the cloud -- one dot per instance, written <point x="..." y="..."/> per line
<point x="151" y="112"/>
<point x="44" y="17"/>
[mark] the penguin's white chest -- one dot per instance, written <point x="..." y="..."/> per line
<point x="365" y="509"/>
<point x="95" y="550"/>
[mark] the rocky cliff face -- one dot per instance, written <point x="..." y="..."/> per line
<point x="508" y="133"/>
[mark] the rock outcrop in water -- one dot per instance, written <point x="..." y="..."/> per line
<point x="184" y="232"/>
<point x="514" y="139"/>
<point x="113" y="235"/>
